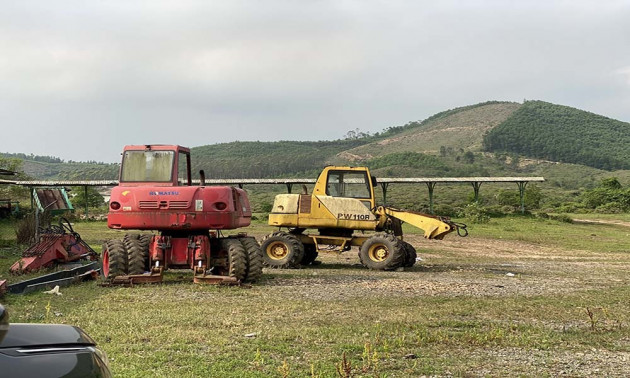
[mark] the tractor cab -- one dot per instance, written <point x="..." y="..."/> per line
<point x="158" y="165"/>
<point x="347" y="182"/>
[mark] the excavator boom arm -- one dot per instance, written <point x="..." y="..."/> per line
<point x="434" y="227"/>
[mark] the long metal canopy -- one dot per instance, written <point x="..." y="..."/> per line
<point x="384" y="182"/>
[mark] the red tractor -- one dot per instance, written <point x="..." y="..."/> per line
<point x="155" y="192"/>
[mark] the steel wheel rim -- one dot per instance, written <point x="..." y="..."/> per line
<point x="378" y="252"/>
<point x="277" y="250"/>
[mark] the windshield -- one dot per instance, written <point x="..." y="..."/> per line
<point x="150" y="166"/>
<point x="348" y="184"/>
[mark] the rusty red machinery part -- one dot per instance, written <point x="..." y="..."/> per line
<point x="56" y="244"/>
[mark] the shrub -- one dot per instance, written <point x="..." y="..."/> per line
<point x="475" y="213"/>
<point x="610" y="208"/>
<point x="607" y="197"/>
<point x="561" y="218"/>
<point x="445" y="210"/>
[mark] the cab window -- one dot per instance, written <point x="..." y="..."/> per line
<point x="149" y="166"/>
<point x="348" y="184"/>
<point x="182" y="169"/>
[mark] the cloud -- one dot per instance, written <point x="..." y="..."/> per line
<point x="624" y="72"/>
<point x="249" y="70"/>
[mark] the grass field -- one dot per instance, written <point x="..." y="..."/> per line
<point x="519" y="297"/>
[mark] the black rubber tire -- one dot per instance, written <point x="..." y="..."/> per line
<point x="282" y="250"/>
<point x="310" y="254"/>
<point x="145" y="242"/>
<point x="382" y="252"/>
<point x="237" y="258"/>
<point x="254" y="259"/>
<point x="129" y="237"/>
<point x="137" y="252"/>
<point x="137" y="256"/>
<point x="115" y="256"/>
<point x="410" y="255"/>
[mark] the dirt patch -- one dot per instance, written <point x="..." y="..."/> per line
<point x="463" y="267"/>
<point x="476" y="269"/>
<point x="602" y="221"/>
<point x="593" y="363"/>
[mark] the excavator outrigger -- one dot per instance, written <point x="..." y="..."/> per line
<point x="343" y="202"/>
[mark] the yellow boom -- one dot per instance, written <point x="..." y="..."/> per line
<point x="433" y="227"/>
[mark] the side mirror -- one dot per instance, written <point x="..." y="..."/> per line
<point x="374" y="182"/>
<point x="202" y="178"/>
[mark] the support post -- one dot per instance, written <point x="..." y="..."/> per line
<point x="36" y="224"/>
<point x="289" y="188"/>
<point x="521" y="192"/>
<point x="384" y="186"/>
<point x="85" y="193"/>
<point x="431" y="186"/>
<point x="35" y="214"/>
<point x="476" y="185"/>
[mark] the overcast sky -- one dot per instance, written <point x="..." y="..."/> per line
<point x="80" y="79"/>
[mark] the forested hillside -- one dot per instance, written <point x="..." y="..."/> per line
<point x="490" y="138"/>
<point x="69" y="171"/>
<point x="560" y="133"/>
<point x="266" y="159"/>
<point x="456" y="129"/>
<point x="53" y="168"/>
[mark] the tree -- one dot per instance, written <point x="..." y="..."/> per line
<point x="13" y="165"/>
<point x="10" y="164"/>
<point x="94" y="198"/>
<point x="469" y="157"/>
<point x="610" y="183"/>
<point x="356" y="134"/>
<point x="607" y="196"/>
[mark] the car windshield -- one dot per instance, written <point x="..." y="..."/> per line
<point x="150" y="166"/>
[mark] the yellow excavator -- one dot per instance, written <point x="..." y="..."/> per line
<point x="343" y="202"/>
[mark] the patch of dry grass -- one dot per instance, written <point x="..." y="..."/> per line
<point x="457" y="312"/>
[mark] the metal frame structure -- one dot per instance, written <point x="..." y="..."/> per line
<point x="384" y="182"/>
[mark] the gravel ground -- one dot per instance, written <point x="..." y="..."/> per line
<point x="504" y="268"/>
<point x="480" y="268"/>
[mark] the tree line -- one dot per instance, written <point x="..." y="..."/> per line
<point x="559" y="133"/>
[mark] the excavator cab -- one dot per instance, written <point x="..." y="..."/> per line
<point x="352" y="183"/>
<point x="159" y="165"/>
<point x="347" y="182"/>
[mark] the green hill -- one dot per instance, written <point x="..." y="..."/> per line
<point x="560" y="133"/>
<point x="70" y="171"/>
<point x="491" y="138"/>
<point x="457" y="129"/>
<point x="52" y="168"/>
<point x="266" y="159"/>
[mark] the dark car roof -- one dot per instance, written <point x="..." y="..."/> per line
<point x="31" y="335"/>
